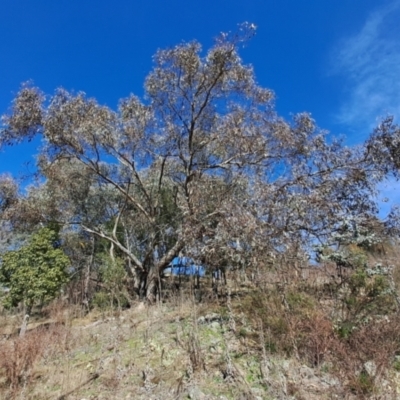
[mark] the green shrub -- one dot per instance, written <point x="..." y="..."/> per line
<point x="363" y="384"/>
<point x="113" y="293"/>
<point x="35" y="273"/>
<point x="300" y="303"/>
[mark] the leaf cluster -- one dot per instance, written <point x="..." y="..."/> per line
<point x="34" y="273"/>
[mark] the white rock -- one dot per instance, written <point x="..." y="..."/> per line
<point x="370" y="368"/>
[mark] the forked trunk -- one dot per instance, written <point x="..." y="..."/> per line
<point x="148" y="284"/>
<point x="147" y="275"/>
<point x="153" y="285"/>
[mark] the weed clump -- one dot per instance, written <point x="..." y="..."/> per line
<point x="19" y="355"/>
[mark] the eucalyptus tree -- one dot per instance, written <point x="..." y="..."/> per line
<point x="203" y="164"/>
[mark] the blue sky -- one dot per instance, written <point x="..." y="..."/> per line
<point x="338" y="59"/>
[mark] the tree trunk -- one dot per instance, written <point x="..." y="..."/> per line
<point x="88" y="271"/>
<point x="146" y="276"/>
<point x="146" y="283"/>
<point x="24" y="325"/>
<point x="153" y="285"/>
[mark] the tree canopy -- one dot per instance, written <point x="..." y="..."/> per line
<point x="201" y="165"/>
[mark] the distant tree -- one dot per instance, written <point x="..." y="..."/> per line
<point x="34" y="273"/>
<point x="203" y="165"/>
<point x="8" y="198"/>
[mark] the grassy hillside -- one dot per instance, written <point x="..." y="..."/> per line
<point x="311" y="337"/>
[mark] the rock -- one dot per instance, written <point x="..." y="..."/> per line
<point x="370" y="368"/>
<point x="213" y="317"/>
<point x="215" y="326"/>
<point x="201" y="320"/>
<point x="209" y="318"/>
<point x="153" y="346"/>
<point x="140" y="307"/>
<point x="306" y="372"/>
<point x="258" y="393"/>
<point x="330" y="380"/>
<point x="286" y="365"/>
<point x="195" y="393"/>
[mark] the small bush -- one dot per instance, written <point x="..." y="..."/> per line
<point x="315" y="338"/>
<point x="300" y="303"/>
<point x="18" y="355"/>
<point x="396" y="364"/>
<point x="282" y="325"/>
<point x="101" y="300"/>
<point x="113" y="291"/>
<point x="345" y="329"/>
<point x="362" y="384"/>
<point x="376" y="343"/>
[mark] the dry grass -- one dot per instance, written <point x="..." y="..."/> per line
<point x="20" y="355"/>
<point x="252" y="341"/>
<point x="303" y="320"/>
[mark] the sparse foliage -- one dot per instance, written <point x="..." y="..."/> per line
<point x="203" y="164"/>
